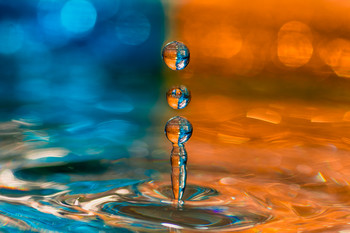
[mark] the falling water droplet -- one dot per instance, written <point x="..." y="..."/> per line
<point x="178" y="130"/>
<point x="178" y="97"/>
<point x="176" y="55"/>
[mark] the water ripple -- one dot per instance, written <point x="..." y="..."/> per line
<point x="45" y="185"/>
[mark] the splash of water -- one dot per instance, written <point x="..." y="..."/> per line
<point x="126" y="195"/>
<point x="178" y="130"/>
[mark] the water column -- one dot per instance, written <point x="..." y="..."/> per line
<point x="178" y="129"/>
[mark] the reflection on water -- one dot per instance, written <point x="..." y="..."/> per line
<point x="290" y="157"/>
<point x="271" y="167"/>
<point x="48" y="192"/>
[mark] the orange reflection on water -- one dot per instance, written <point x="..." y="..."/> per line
<point x="291" y="156"/>
<point x="264" y="115"/>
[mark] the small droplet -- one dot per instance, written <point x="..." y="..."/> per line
<point x="178" y="130"/>
<point x="176" y="55"/>
<point x="178" y="97"/>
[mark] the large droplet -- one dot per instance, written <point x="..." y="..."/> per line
<point x="178" y="130"/>
<point x="176" y="55"/>
<point x="178" y="97"/>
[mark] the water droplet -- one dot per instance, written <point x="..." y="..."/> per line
<point x="178" y="130"/>
<point x="178" y="97"/>
<point x="176" y="55"/>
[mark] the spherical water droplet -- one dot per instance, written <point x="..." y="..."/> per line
<point x="176" y="55"/>
<point x="178" y="97"/>
<point x="178" y="130"/>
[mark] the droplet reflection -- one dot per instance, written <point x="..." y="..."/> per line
<point x="178" y="97"/>
<point x="176" y="55"/>
<point x="178" y="130"/>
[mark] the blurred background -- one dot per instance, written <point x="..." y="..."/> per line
<point x="91" y="68"/>
<point x="289" y="49"/>
<point x="82" y="87"/>
<point x="96" y="66"/>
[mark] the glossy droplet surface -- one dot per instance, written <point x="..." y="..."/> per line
<point x="178" y="97"/>
<point x="178" y="130"/>
<point x="176" y="55"/>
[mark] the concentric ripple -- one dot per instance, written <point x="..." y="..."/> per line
<point x="247" y="190"/>
<point x="159" y="216"/>
<point x="148" y="206"/>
